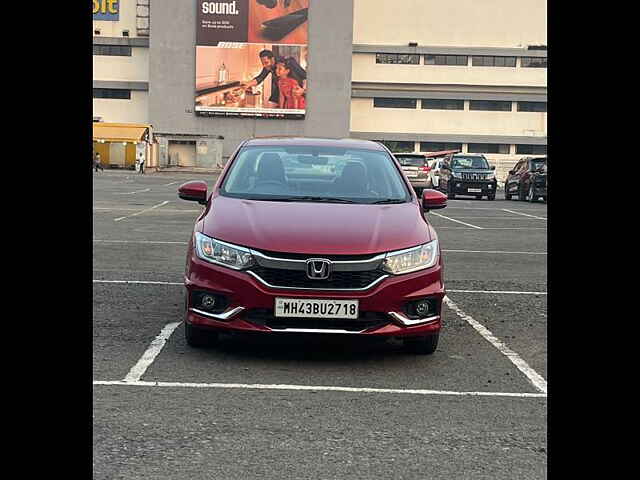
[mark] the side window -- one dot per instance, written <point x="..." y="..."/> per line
<point x="516" y="169"/>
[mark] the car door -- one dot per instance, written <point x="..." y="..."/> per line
<point x="434" y="173"/>
<point x="445" y="174"/>
<point x="514" y="180"/>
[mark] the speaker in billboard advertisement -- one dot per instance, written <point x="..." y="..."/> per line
<point x="251" y="58"/>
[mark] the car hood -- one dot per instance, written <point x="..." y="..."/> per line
<point x="472" y="170"/>
<point x="315" y="228"/>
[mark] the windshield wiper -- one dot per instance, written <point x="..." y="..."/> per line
<point x="307" y="198"/>
<point x="390" y="200"/>
<point x="323" y="199"/>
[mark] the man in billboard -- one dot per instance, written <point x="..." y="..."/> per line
<point x="268" y="67"/>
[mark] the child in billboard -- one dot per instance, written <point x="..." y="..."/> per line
<point x="292" y="83"/>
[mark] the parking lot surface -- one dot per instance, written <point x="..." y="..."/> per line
<point x="295" y="406"/>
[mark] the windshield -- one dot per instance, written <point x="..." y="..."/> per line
<point x="410" y="161"/>
<point x="470" y="162"/>
<point x="536" y="163"/>
<point x="314" y="174"/>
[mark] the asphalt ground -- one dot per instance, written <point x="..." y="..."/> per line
<point x="316" y="407"/>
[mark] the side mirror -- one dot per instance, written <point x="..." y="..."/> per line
<point x="195" y="191"/>
<point x="512" y="172"/>
<point x="433" y="199"/>
<point x="493" y="167"/>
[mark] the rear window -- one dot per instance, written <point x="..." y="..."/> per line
<point x="410" y="161"/>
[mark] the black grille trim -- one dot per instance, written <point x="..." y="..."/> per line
<point x="366" y="321"/>
<point x="298" y="279"/>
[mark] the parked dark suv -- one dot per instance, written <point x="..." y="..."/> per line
<point x="468" y="174"/>
<point x="527" y="180"/>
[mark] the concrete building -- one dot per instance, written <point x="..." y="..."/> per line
<point x="420" y="75"/>
<point x="121" y="81"/>
<point x="431" y="75"/>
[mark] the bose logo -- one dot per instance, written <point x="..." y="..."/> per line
<point x="220" y="8"/>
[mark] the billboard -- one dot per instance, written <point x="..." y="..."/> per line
<point x="251" y="58"/>
<point x="106" y="10"/>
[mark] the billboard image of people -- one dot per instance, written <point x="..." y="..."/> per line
<point x="251" y="58"/>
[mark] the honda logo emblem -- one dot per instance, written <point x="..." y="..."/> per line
<point x="318" y="268"/>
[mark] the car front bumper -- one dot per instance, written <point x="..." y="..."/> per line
<point x="462" y="187"/>
<point x="251" y="303"/>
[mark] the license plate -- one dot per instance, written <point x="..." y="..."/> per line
<point x="474" y="190"/>
<point x="308" y="308"/>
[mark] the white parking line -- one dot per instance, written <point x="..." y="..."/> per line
<point x="172" y="183"/>
<point x="496" y="217"/>
<point x="132" y="193"/>
<point x="457" y="221"/>
<point x="314" y="388"/>
<point x="525" y="214"/>
<point x="168" y="210"/>
<point x="533" y="376"/>
<point x="151" y="353"/>
<point x="494" y="251"/>
<point x="142" y="211"/>
<point x="150" y="242"/>
<point x="138" y="282"/>
<point x="511" y="292"/>
<point x="492" y="228"/>
<point x="151" y="282"/>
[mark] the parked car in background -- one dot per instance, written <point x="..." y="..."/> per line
<point x="416" y="168"/>
<point x="315" y="236"/>
<point x="527" y="180"/>
<point x="467" y="174"/>
<point x="436" y="159"/>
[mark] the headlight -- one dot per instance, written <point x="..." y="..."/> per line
<point x="412" y="259"/>
<point x="456" y="174"/>
<point x="222" y="253"/>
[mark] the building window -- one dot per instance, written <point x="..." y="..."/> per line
<point x="398" y="146"/>
<point x="398" y="58"/>
<point x="490" y="61"/>
<point x="532" y="106"/>
<point x="490" y="105"/>
<point x="442" y="104"/>
<point x="531" y="149"/>
<point x="112" y="50"/>
<point x="439" y="146"/>
<point x="488" y="148"/>
<point x="112" y="93"/>
<point x="394" y="102"/>
<point x="533" y="62"/>
<point x="446" y="60"/>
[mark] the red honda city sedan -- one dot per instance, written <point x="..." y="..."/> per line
<point x="304" y="235"/>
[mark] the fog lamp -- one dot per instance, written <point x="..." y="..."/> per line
<point x="422" y="308"/>
<point x="208" y="301"/>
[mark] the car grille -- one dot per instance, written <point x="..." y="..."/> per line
<point x="278" y="277"/>
<point x="474" y="176"/>
<point x="366" y="320"/>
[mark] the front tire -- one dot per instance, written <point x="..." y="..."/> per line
<point x="198" y="337"/>
<point x="531" y="196"/>
<point x="492" y="197"/>
<point x="425" y="345"/>
<point x="507" y="195"/>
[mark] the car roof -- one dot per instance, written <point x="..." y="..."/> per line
<point x="314" y="142"/>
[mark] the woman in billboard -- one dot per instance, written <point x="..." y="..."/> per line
<point x="292" y="83"/>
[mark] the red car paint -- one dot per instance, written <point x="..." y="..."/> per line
<point x="336" y="229"/>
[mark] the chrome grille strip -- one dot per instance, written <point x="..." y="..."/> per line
<point x="338" y="265"/>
